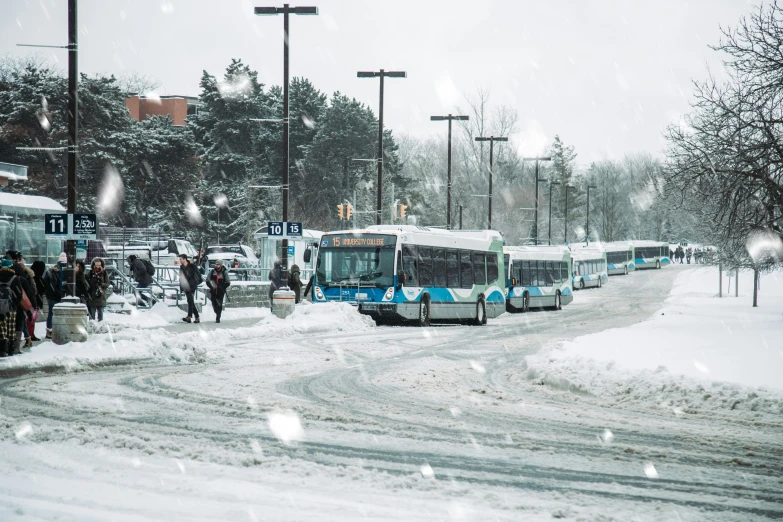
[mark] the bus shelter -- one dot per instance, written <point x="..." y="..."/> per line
<point x="271" y="249"/>
<point x="22" y="226"/>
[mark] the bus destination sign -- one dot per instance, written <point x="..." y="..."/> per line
<point x="358" y="241"/>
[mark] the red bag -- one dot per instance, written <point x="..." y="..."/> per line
<point x="31" y="323"/>
<point x="25" y="302"/>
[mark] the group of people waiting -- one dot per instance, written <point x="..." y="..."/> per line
<point x="22" y="292"/>
<point x="679" y="254"/>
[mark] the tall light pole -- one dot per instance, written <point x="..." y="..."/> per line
<point x="380" y="74"/>
<point x="73" y="127"/>
<point x="549" y="242"/>
<point x="587" y="224"/>
<point x="535" y="223"/>
<point x="491" y="140"/>
<point x="565" y="226"/>
<point x="450" y="118"/>
<point x="285" y="10"/>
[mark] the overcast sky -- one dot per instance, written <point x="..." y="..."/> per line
<point x="607" y="76"/>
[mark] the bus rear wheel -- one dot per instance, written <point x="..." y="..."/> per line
<point x="626" y="270"/>
<point x="581" y="284"/>
<point x="424" y="312"/>
<point x="657" y="264"/>
<point x="599" y="281"/>
<point x="481" y="312"/>
<point x="558" y="304"/>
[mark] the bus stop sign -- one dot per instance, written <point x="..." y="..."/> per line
<point x="85" y="226"/>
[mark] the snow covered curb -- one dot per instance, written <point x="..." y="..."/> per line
<point x="698" y="354"/>
<point x="117" y="344"/>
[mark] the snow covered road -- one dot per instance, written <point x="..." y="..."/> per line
<point x="389" y="423"/>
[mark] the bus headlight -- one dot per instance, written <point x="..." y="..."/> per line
<point x="389" y="294"/>
<point x="319" y="295"/>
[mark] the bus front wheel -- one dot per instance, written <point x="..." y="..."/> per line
<point x="558" y="304"/>
<point x="626" y="270"/>
<point x="481" y="312"/>
<point x="599" y="281"/>
<point x="424" y="311"/>
<point x="525" y="302"/>
<point x="657" y="264"/>
<point x="581" y="284"/>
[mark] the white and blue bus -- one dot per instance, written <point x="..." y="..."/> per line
<point x="537" y="277"/>
<point x="620" y="257"/>
<point x="589" y="267"/>
<point x="413" y="273"/>
<point x="650" y="254"/>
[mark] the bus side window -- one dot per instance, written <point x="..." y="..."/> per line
<point x="492" y="267"/>
<point x="452" y="268"/>
<point x="439" y="267"/>
<point x="549" y="276"/>
<point x="479" y="269"/>
<point x="466" y="269"/>
<point x="409" y="265"/>
<point x="425" y="266"/>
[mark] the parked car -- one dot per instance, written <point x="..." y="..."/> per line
<point x="233" y="256"/>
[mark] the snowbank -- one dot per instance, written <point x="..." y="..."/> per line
<point x="697" y="353"/>
<point x="132" y="341"/>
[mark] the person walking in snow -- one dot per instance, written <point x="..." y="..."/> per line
<point x="99" y="283"/>
<point x="218" y="282"/>
<point x="189" y="279"/>
<point x="22" y="312"/>
<point x="295" y="283"/>
<point x="39" y="269"/>
<point x="689" y="254"/>
<point x="142" y="272"/>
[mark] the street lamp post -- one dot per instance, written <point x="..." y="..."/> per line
<point x="549" y="242"/>
<point x="380" y="74"/>
<point x="491" y="140"/>
<point x="285" y="10"/>
<point x="448" y="186"/>
<point x="565" y="226"/>
<point x="535" y="223"/>
<point x="587" y="224"/>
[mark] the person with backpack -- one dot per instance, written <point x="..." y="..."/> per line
<point x="99" y="283"/>
<point x="24" y="304"/>
<point x="295" y="282"/>
<point x="142" y="271"/>
<point x="53" y="279"/>
<point x="31" y="290"/>
<point x="189" y="279"/>
<point x="276" y="278"/>
<point x="218" y="282"/>
<point x="10" y="297"/>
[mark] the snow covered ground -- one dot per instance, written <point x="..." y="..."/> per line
<point x="326" y="417"/>
<point x="698" y="352"/>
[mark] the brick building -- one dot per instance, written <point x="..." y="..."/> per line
<point x="177" y="107"/>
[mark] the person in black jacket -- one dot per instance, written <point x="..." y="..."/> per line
<point x="218" y="282"/>
<point x="140" y="274"/>
<point x="38" y="268"/>
<point x="10" y="293"/>
<point x="21" y="314"/>
<point x="189" y="279"/>
<point x="53" y="279"/>
<point x="81" y="284"/>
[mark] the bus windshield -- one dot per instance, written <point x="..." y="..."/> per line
<point x="356" y="265"/>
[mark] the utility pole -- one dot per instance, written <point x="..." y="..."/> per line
<point x="285" y="10"/>
<point x="460" y="217"/>
<point x="380" y="74"/>
<point x="565" y="226"/>
<point x="73" y="129"/>
<point x="587" y="224"/>
<point x="535" y="223"/>
<point x="450" y="118"/>
<point x="549" y="242"/>
<point x="491" y="140"/>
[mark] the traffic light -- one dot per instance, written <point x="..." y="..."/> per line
<point x="348" y="211"/>
<point x="340" y="212"/>
<point x="403" y="208"/>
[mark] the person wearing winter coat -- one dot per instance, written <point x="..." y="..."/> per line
<point x="81" y="284"/>
<point x="28" y="316"/>
<point x="54" y="289"/>
<point x="689" y="254"/>
<point x="140" y="274"/>
<point x="10" y="295"/>
<point x="17" y="261"/>
<point x="276" y="278"/>
<point x="39" y="269"/>
<point x="189" y="279"/>
<point x="218" y="282"/>
<point x="98" y="280"/>
<point x="295" y="282"/>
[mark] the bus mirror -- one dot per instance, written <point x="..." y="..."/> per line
<point x="307" y="255"/>
<point x="400" y="278"/>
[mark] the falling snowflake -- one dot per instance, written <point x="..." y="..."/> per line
<point x="650" y="471"/>
<point x="426" y="471"/>
<point x="286" y="427"/>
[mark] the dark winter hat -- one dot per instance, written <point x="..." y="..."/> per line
<point x="218" y="262"/>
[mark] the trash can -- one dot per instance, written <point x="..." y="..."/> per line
<point x="69" y="321"/>
<point x="283" y="302"/>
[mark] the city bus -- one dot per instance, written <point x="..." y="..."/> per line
<point x="650" y="254"/>
<point x="537" y="277"/>
<point x="410" y="273"/>
<point x="619" y="257"/>
<point x="589" y="267"/>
